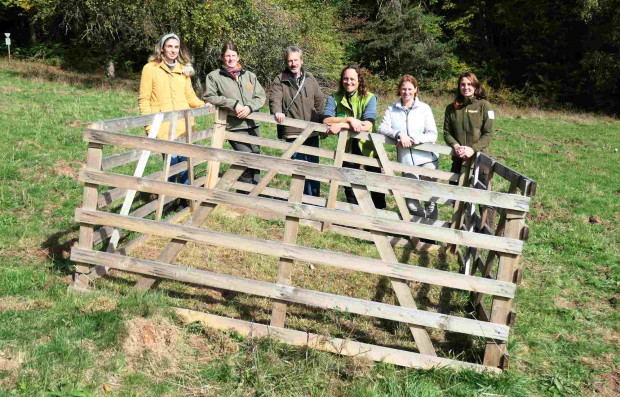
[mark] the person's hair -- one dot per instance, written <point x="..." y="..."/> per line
<point x="184" y="57"/>
<point x="478" y="90"/>
<point x="229" y="45"/>
<point x="408" y="79"/>
<point x="362" y="87"/>
<point x="290" y="49"/>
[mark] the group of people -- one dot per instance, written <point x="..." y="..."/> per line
<point x="295" y="93"/>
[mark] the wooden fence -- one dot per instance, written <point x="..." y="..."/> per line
<point x="488" y="254"/>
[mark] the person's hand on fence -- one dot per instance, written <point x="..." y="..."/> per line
<point x="356" y="125"/>
<point x="464" y="152"/>
<point x="405" y="140"/>
<point x="209" y="106"/>
<point x="279" y="117"/>
<point x="334" y="129"/>
<point x="242" y="111"/>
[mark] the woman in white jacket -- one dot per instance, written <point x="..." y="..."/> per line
<point x="410" y="121"/>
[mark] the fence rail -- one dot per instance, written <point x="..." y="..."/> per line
<point x="487" y="228"/>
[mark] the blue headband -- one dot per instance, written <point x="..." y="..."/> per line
<point x="166" y="37"/>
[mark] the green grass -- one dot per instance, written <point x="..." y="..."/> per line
<point x="565" y="342"/>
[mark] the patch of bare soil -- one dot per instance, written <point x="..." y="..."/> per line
<point x="9" y="88"/>
<point x="10" y="364"/>
<point x="62" y="168"/>
<point x="12" y="303"/>
<point x="608" y="385"/>
<point x="101" y="304"/>
<point x="563" y="303"/>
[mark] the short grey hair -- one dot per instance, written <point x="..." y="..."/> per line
<point x="292" y="49"/>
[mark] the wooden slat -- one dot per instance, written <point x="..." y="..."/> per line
<point x="86" y="237"/>
<point x="292" y="294"/>
<point x="278" y="144"/>
<point x="219" y="129"/>
<point x="190" y="162"/>
<point x="420" y="188"/>
<point x="306" y="211"/>
<point x="500" y="310"/>
<point x="523" y="183"/>
<point x="184" y="234"/>
<point x="127" y="123"/>
<point x="400" y="286"/>
<point x="343" y="347"/>
<point x="285" y="265"/>
<point x="118" y="159"/>
<point x="332" y="196"/>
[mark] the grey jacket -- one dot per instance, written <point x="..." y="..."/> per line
<point x="223" y="90"/>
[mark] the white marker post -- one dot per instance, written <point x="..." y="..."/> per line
<point x="7" y="41"/>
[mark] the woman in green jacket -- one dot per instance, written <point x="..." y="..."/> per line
<point x="468" y="123"/>
<point x="239" y="91"/>
<point x="352" y="107"/>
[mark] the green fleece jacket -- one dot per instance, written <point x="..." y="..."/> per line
<point x="223" y="90"/>
<point x="470" y="125"/>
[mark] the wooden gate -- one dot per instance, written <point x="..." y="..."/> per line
<point x="471" y="229"/>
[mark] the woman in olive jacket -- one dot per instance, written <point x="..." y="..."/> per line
<point x="166" y="85"/>
<point x="239" y="91"/>
<point x="468" y="123"/>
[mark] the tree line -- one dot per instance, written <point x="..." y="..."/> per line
<point x="546" y="52"/>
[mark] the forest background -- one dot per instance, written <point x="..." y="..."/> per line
<point x="551" y="53"/>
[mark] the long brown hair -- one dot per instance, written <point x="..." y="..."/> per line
<point x="184" y="58"/>
<point x="478" y="90"/>
<point x="408" y="79"/>
<point x="362" y="86"/>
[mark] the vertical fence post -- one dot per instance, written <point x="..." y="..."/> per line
<point x="219" y="131"/>
<point x="285" y="265"/>
<point x="189" y="128"/>
<point x="333" y="187"/>
<point x="496" y="354"/>
<point x="93" y="162"/>
<point x="457" y="217"/>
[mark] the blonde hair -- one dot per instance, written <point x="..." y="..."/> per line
<point x="184" y="58"/>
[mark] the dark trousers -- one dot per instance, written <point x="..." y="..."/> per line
<point x="311" y="187"/>
<point x="378" y="199"/>
<point x="250" y="175"/>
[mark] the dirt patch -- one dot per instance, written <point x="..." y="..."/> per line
<point x="563" y="303"/>
<point x="9" y="366"/>
<point x="8" y="88"/>
<point x="77" y="123"/>
<point x="608" y="385"/>
<point x="595" y="219"/>
<point x="101" y="304"/>
<point x="62" y="168"/>
<point x="153" y="345"/>
<point x="8" y="303"/>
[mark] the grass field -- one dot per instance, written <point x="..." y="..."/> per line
<point x="53" y="343"/>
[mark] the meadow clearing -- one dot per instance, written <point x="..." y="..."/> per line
<point x="565" y="341"/>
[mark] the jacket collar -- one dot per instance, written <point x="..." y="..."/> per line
<point x="399" y="104"/>
<point x="224" y="72"/>
<point x="177" y="68"/>
<point x="288" y="77"/>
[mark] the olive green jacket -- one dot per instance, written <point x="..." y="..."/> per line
<point x="223" y="90"/>
<point x="470" y="125"/>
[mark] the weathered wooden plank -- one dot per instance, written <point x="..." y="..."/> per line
<point x="501" y="305"/>
<point x="343" y="347"/>
<point x="523" y="183"/>
<point x="285" y="265"/>
<point x="190" y="162"/>
<point x="278" y="144"/>
<point x="127" y="123"/>
<point x="400" y="286"/>
<point x="292" y="294"/>
<point x="403" y="228"/>
<point x="219" y="129"/>
<point x="184" y="234"/>
<point x="420" y="188"/>
<point x="86" y="237"/>
<point x="166" y="171"/>
<point x="118" y="159"/>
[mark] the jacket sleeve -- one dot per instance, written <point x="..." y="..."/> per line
<point x="386" y="124"/>
<point x="146" y="89"/>
<point x="258" y="96"/>
<point x="212" y="95"/>
<point x="275" y="97"/>
<point x="190" y="94"/>
<point x="319" y="98"/>
<point x="430" y="129"/>
<point x="447" y="128"/>
<point x="486" y="130"/>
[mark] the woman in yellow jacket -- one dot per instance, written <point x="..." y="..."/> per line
<point x="166" y="85"/>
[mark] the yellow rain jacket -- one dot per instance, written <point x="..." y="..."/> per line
<point x="162" y="90"/>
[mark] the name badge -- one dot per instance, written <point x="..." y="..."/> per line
<point x="471" y="111"/>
